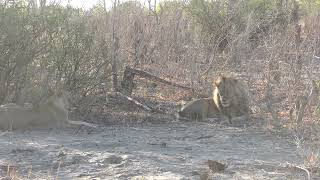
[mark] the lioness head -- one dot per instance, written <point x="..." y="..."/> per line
<point x="57" y="100"/>
<point x="62" y="99"/>
<point x="224" y="86"/>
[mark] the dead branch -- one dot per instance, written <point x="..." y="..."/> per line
<point x="82" y="123"/>
<point x="128" y="76"/>
<point x="134" y="101"/>
<point x="304" y="102"/>
<point x="269" y="103"/>
<point x="301" y="105"/>
<point x="213" y="55"/>
<point x="283" y="166"/>
<point x="299" y="168"/>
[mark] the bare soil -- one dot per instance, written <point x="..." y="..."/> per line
<point x="175" y="150"/>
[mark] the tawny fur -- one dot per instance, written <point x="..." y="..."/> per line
<point x="231" y="97"/>
<point x="199" y="109"/>
<point x="51" y="113"/>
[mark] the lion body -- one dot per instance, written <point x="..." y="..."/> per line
<point x="230" y="99"/>
<point x="199" y="109"/>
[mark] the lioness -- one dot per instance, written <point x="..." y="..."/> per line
<point x="231" y="97"/>
<point x="199" y="109"/>
<point x="51" y="113"/>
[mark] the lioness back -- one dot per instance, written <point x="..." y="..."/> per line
<point x="51" y="113"/>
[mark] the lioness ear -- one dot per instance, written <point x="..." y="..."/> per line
<point x="180" y="104"/>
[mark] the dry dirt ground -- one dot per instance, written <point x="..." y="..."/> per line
<point x="176" y="150"/>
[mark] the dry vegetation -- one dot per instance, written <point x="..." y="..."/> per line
<point x="272" y="44"/>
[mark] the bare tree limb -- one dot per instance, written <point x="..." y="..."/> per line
<point x="129" y="73"/>
<point x="304" y="101"/>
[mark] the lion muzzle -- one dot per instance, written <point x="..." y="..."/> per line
<point x="225" y="102"/>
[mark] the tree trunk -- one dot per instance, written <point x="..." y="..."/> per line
<point x="295" y="20"/>
<point x="115" y="41"/>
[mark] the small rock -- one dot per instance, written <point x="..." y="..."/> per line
<point x="113" y="160"/>
<point x="215" y="166"/>
<point x="195" y="173"/>
<point x="204" y="175"/>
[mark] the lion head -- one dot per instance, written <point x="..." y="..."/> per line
<point x="226" y="90"/>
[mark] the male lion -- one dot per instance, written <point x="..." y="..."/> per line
<point x="199" y="109"/>
<point x="231" y="97"/>
<point x="51" y="113"/>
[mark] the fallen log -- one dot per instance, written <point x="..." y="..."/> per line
<point x="121" y="96"/>
<point x="129" y="74"/>
<point x="144" y="106"/>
